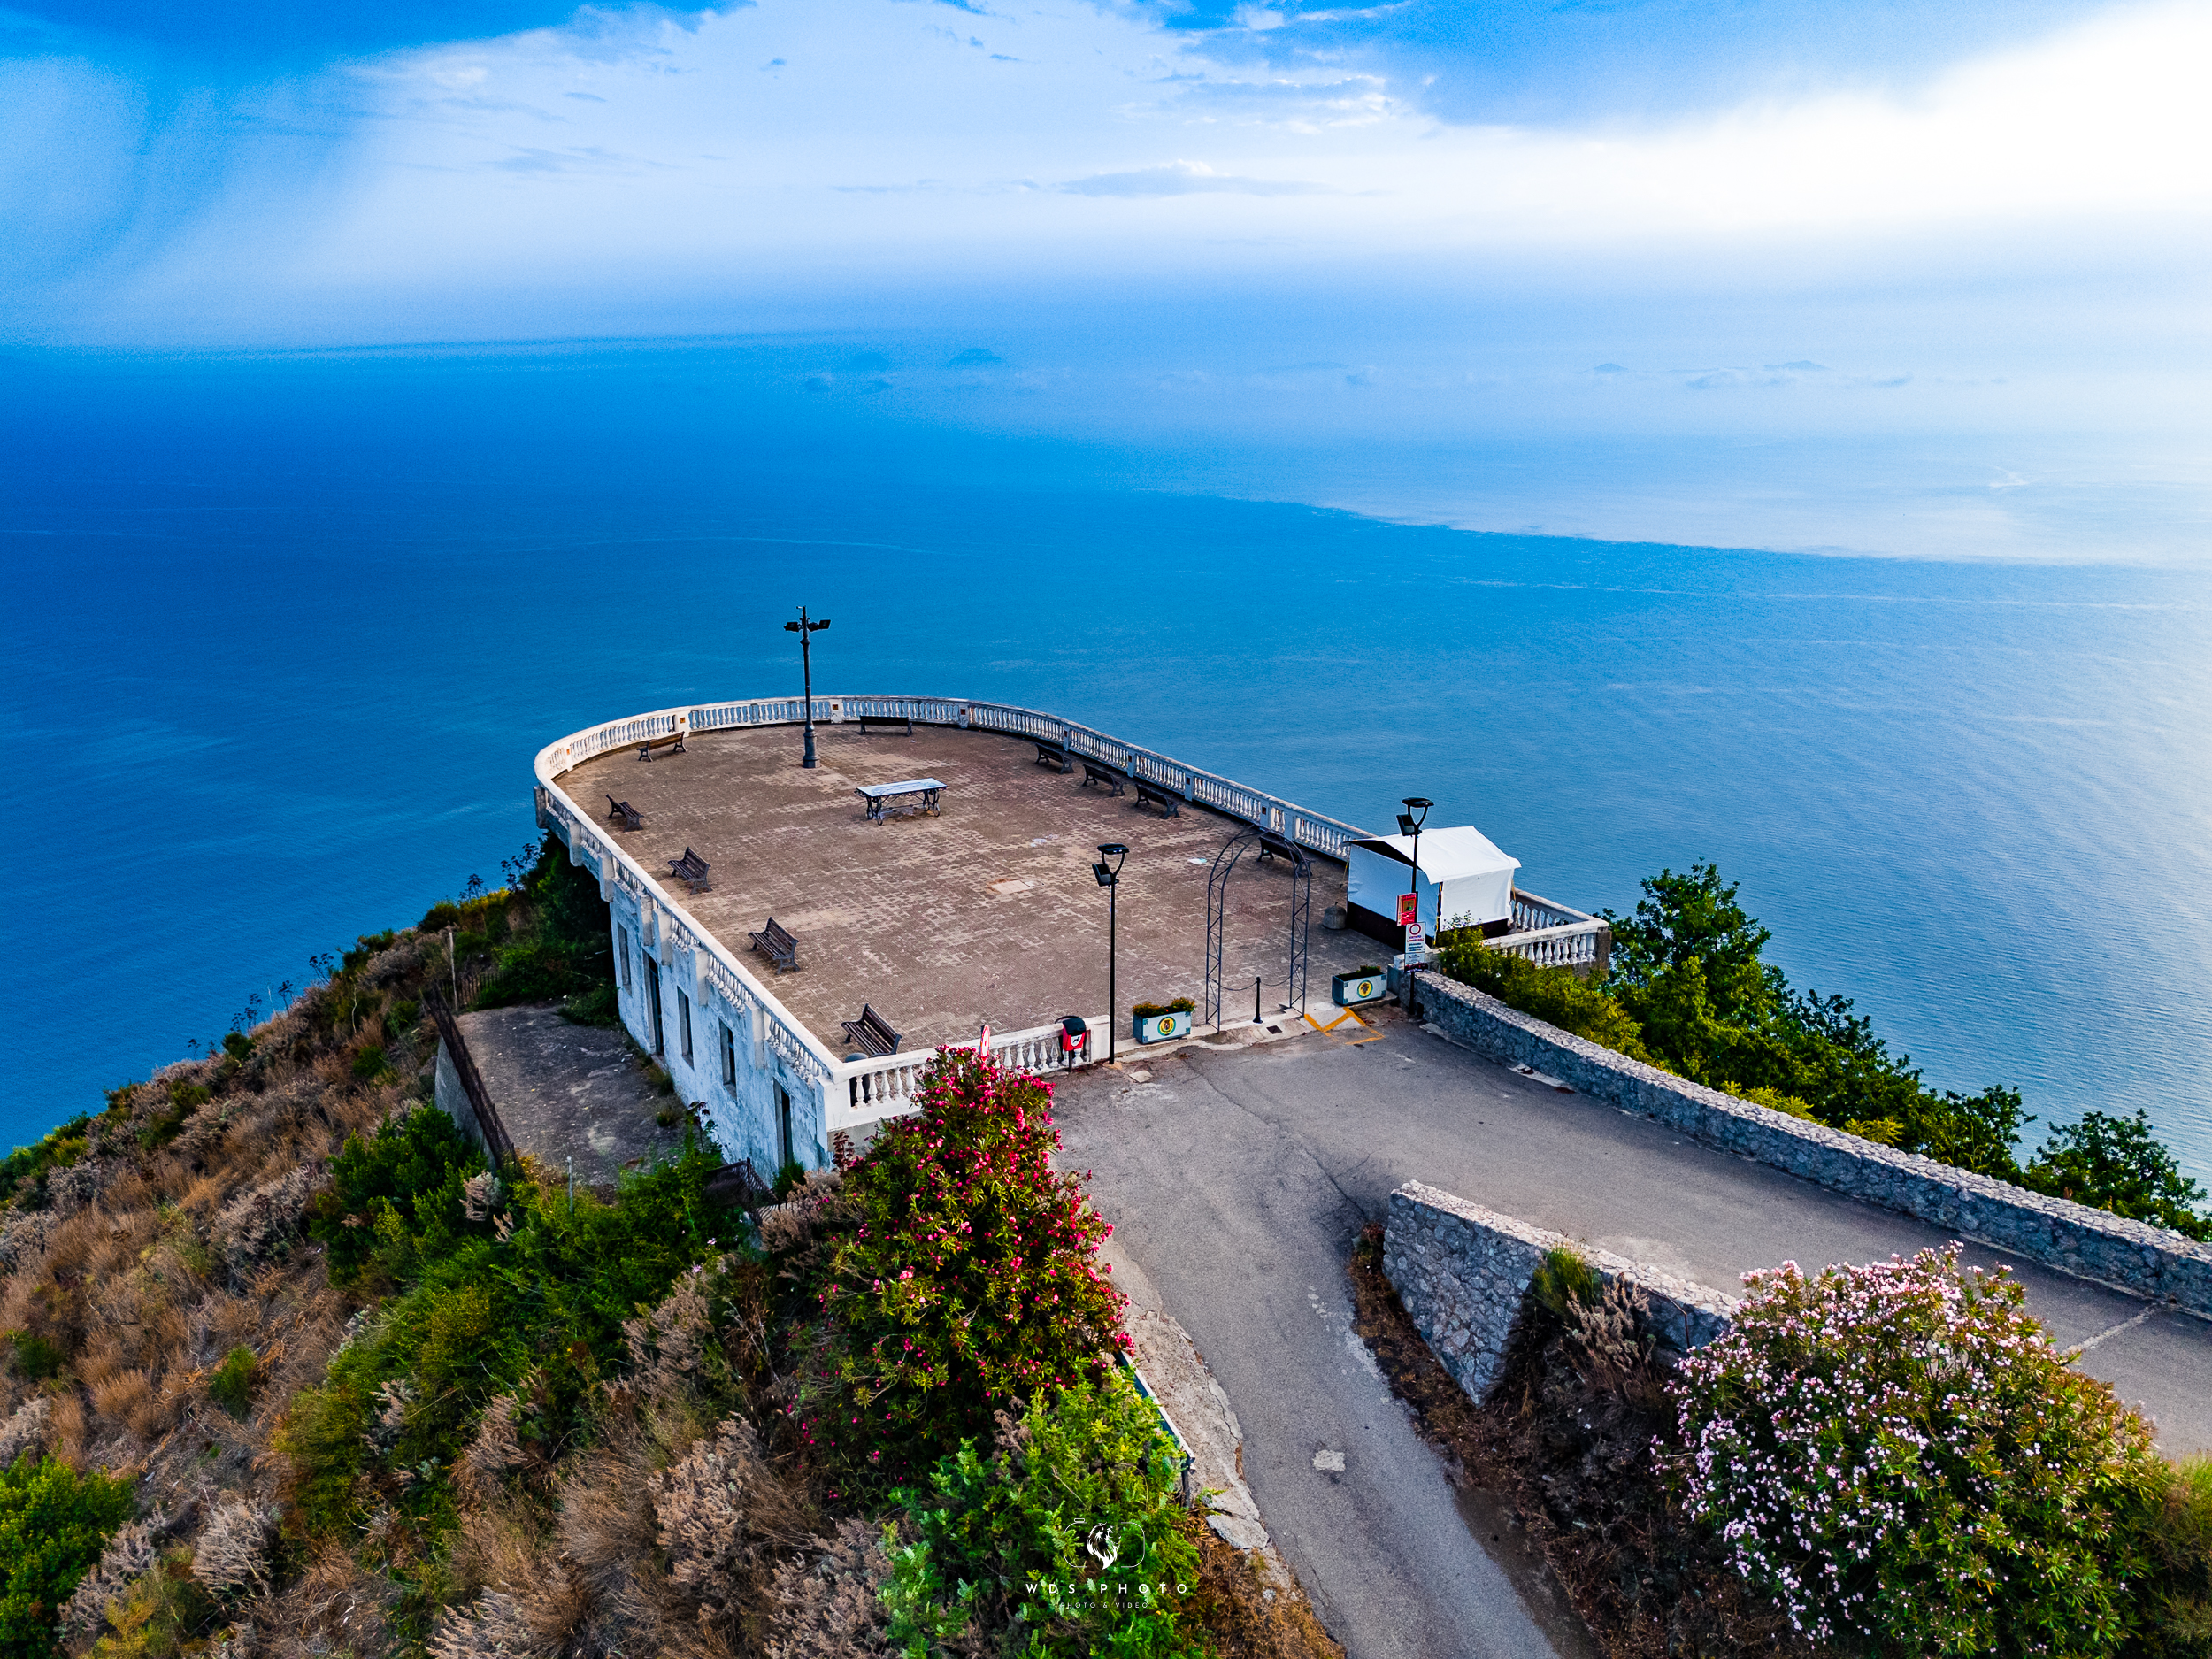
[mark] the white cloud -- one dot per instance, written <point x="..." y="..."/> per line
<point x="1114" y="144"/>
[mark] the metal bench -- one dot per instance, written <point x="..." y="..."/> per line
<point x="623" y="812"/>
<point x="778" y="946"/>
<point x="1100" y="774"/>
<point x="887" y="721"/>
<point x="879" y="795"/>
<point x="1148" y="795"/>
<point x="1053" y="755"/>
<point x="1276" y="847"/>
<point x="673" y="743"/>
<point x="871" y="1033"/>
<point x="691" y="869"/>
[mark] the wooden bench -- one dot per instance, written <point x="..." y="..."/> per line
<point x="1053" y="755"/>
<point x="871" y="1033"/>
<point x="673" y="743"/>
<point x="1147" y="796"/>
<point x="623" y="812"/>
<point x="1100" y="774"/>
<point x="879" y="795"/>
<point x="778" y="946"/>
<point x="887" y="721"/>
<point x="691" y="869"/>
<point x="1276" y="847"/>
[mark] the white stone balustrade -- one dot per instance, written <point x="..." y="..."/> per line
<point x="1552" y="936"/>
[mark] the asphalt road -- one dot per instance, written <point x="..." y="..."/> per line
<point x="1238" y="1179"/>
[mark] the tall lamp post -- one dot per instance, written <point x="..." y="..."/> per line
<point x="1109" y="878"/>
<point x="806" y="630"/>
<point x="1409" y="822"/>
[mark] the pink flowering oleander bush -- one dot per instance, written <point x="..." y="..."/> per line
<point x="1899" y="1457"/>
<point x="965" y="1282"/>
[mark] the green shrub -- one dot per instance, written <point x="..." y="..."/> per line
<point x="53" y="1524"/>
<point x="1897" y="1457"/>
<point x="160" y="1618"/>
<point x="600" y="1006"/>
<point x="969" y="1283"/>
<point x="1553" y="995"/>
<point x="2178" y="1526"/>
<point x="1774" y="1100"/>
<point x="566" y="951"/>
<point x="1563" y="1278"/>
<point x="1072" y="1533"/>
<point x="35" y="1359"/>
<point x="370" y="1063"/>
<point x="324" y="1434"/>
<point x="58" y="1150"/>
<point x="412" y="1170"/>
<point x="231" y="1384"/>
<point x="2124" y="1166"/>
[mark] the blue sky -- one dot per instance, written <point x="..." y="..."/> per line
<point x="1419" y="220"/>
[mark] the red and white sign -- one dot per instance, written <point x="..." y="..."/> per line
<point x="1408" y="910"/>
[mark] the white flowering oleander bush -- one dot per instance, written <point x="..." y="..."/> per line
<point x="1898" y="1456"/>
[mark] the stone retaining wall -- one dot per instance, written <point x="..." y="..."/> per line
<point x="1463" y="1272"/>
<point x="2094" y="1244"/>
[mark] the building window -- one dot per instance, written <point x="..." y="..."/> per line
<point x="622" y="953"/>
<point x="729" y="1055"/>
<point x="683" y="1022"/>
<point x="783" y="1128"/>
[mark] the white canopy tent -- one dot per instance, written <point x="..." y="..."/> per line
<point x="1463" y="878"/>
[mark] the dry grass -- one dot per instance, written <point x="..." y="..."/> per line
<point x="135" y="1284"/>
<point x="1244" y="1612"/>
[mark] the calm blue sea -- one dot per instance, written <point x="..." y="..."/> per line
<point x="283" y="636"/>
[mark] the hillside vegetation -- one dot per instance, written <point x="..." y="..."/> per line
<point x="289" y="1368"/>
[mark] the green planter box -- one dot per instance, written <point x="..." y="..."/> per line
<point x="1347" y="990"/>
<point x="1160" y="1027"/>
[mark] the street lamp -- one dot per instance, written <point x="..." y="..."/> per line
<point x="1409" y="822"/>
<point x="806" y="631"/>
<point x="1109" y="878"/>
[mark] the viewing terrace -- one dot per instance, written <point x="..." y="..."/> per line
<point x="985" y="913"/>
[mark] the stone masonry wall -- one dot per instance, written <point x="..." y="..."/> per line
<point x="2131" y="1255"/>
<point x="1463" y="1272"/>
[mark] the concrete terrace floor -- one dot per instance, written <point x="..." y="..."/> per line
<point x="986" y="912"/>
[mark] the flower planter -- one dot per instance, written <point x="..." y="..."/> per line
<point x="1349" y="990"/>
<point x="1161" y="1027"/>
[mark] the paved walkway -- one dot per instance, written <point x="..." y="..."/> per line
<point x="1237" y="1180"/>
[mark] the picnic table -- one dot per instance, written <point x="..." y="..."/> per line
<point x="878" y="795"/>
